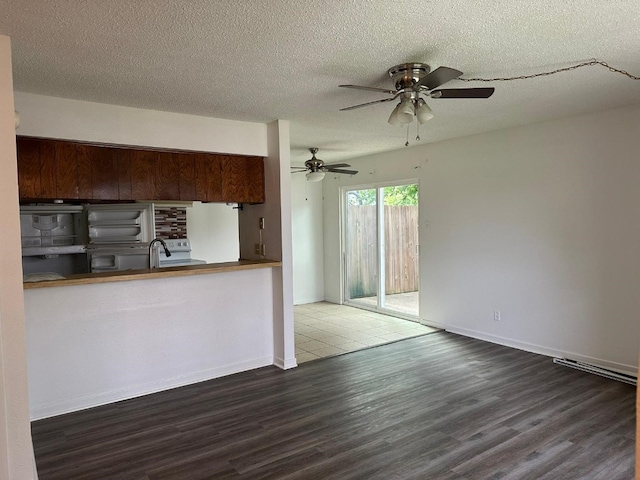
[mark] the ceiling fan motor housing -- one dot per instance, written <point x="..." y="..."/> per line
<point x="407" y="75"/>
<point x="314" y="164"/>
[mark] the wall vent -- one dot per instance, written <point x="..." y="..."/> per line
<point x="603" y="372"/>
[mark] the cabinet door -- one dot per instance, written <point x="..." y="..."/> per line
<point x="28" y="150"/>
<point x="167" y="177"/>
<point x="234" y="179"/>
<point x="243" y="179"/>
<point x="124" y="173"/>
<point x="143" y="175"/>
<point x="48" y="170"/>
<point x="85" y="189"/>
<point x="208" y="178"/>
<point x="187" y="179"/>
<point x="255" y="179"/>
<point x="66" y="169"/>
<point x="104" y="171"/>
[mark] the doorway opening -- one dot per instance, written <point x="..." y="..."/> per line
<point x="381" y="264"/>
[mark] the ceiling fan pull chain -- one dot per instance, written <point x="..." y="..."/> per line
<point x="407" y="142"/>
<point x="417" y="131"/>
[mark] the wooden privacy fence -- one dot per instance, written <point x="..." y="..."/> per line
<point x="401" y="249"/>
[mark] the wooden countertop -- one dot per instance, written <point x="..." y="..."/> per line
<point x="126" y="275"/>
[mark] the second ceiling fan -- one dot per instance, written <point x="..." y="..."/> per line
<point x="412" y="82"/>
<point x="316" y="168"/>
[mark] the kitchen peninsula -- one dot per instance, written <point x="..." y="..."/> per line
<point x="107" y="337"/>
<point x="102" y="339"/>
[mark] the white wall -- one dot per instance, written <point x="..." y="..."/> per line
<point x="99" y="343"/>
<point x="540" y="222"/>
<point x="308" y="243"/>
<point x="42" y="116"/>
<point x="213" y="231"/>
<point x="16" y="451"/>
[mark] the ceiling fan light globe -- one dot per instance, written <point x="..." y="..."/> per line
<point x="424" y="113"/>
<point x="406" y="111"/>
<point x="315" y="176"/>
<point x="393" y="118"/>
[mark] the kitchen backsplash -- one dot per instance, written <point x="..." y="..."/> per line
<point x="171" y="222"/>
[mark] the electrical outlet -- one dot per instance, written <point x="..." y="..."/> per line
<point x="261" y="223"/>
<point x="257" y="248"/>
<point x="496" y="316"/>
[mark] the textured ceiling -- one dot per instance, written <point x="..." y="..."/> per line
<point x="283" y="59"/>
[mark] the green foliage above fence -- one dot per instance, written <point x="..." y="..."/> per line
<point x="401" y="195"/>
<point x="396" y="195"/>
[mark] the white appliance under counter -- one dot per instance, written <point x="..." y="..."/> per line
<point x="180" y="249"/>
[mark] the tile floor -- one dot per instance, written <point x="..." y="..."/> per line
<point x="324" y="329"/>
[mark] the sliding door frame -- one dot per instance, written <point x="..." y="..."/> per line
<point x="380" y="245"/>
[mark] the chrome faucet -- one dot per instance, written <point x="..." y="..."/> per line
<point x="154" y="257"/>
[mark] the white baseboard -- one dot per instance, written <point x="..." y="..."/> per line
<point x="285" y="364"/>
<point x="542" y="350"/>
<point x="308" y="300"/>
<point x="330" y="299"/>
<point x="45" y="410"/>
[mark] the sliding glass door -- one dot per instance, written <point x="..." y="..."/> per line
<point x="381" y="248"/>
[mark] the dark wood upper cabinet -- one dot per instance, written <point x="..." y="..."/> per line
<point x="255" y="180"/>
<point x="48" y="170"/>
<point x="66" y="166"/>
<point x="208" y="178"/>
<point x="29" y="184"/>
<point x="124" y="174"/>
<point x="104" y="171"/>
<point x="85" y="188"/>
<point x="58" y="169"/>
<point x="242" y="179"/>
<point x="233" y="171"/>
<point x="187" y="175"/>
<point x="143" y="174"/>
<point x="167" y="177"/>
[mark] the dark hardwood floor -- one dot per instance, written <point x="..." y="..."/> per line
<point x="439" y="407"/>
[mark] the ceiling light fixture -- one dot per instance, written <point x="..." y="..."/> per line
<point x="315" y="176"/>
<point x="393" y="118"/>
<point x="423" y="112"/>
<point x="411" y="106"/>
<point x="407" y="109"/>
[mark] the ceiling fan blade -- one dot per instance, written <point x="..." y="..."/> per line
<point x="339" y="170"/>
<point x="438" y="77"/>
<point x="373" y="89"/>
<point x="336" y="165"/>
<point x="463" y="93"/>
<point x="368" y="103"/>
